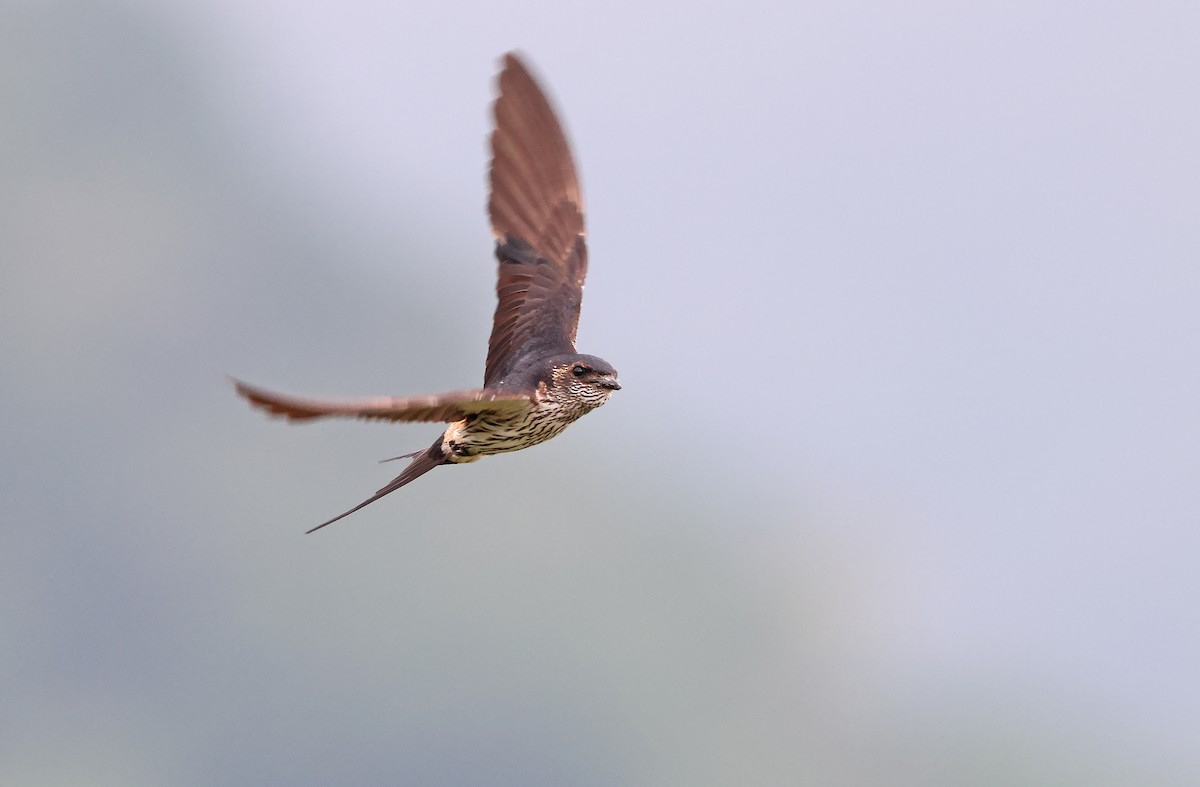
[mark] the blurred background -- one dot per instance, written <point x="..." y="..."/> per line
<point x="901" y="489"/>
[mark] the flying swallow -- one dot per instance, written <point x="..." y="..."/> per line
<point x="535" y="384"/>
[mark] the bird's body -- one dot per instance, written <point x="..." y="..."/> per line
<point x="554" y="405"/>
<point x="535" y="383"/>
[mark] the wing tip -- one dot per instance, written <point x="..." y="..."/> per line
<point x="273" y="404"/>
<point x="513" y="58"/>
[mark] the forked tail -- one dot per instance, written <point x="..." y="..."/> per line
<point x="422" y="463"/>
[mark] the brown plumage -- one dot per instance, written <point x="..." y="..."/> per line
<point x="439" y="408"/>
<point x="535" y="383"/>
<point x="535" y="199"/>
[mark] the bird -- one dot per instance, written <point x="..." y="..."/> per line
<point x="535" y="383"/>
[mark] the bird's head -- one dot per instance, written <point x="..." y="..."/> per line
<point x="585" y="378"/>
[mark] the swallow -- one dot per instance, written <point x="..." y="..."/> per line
<point x="535" y="383"/>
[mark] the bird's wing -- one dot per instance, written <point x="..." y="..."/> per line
<point x="444" y="408"/>
<point x="536" y="211"/>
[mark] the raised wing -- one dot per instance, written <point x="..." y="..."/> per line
<point x="442" y="408"/>
<point x="537" y="218"/>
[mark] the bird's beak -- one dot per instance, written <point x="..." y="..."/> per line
<point x="611" y="385"/>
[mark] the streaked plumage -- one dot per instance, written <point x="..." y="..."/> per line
<point x="535" y="383"/>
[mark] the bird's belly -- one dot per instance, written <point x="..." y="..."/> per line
<point x="496" y="434"/>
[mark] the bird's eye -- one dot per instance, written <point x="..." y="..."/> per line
<point x="579" y="371"/>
